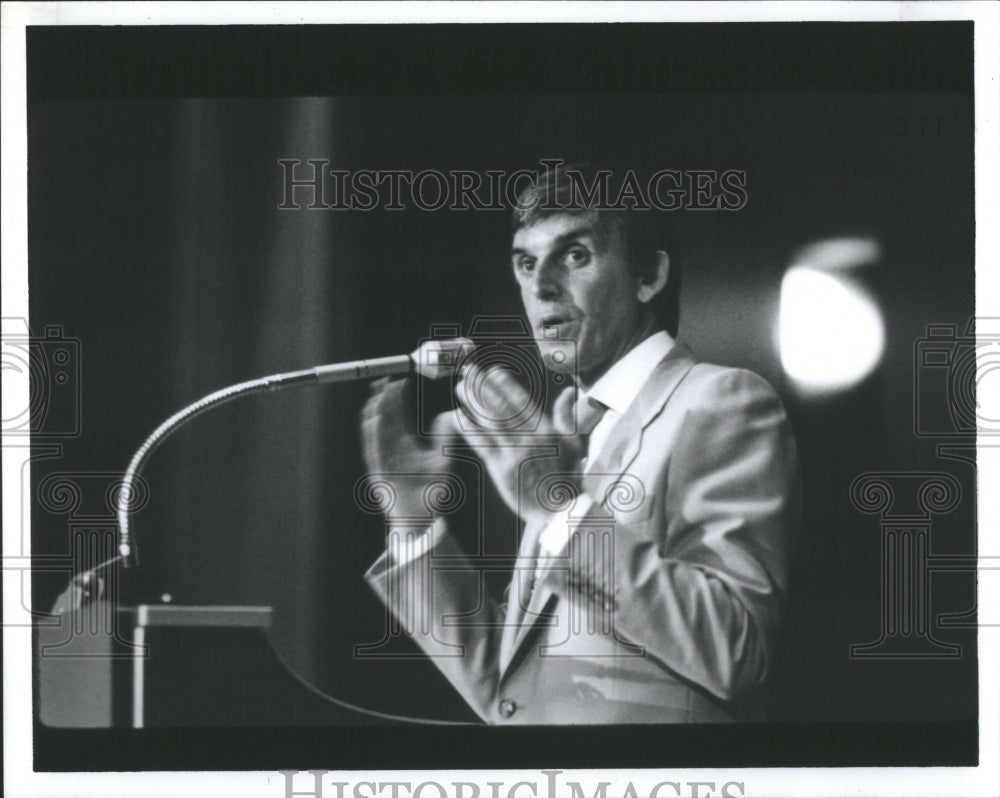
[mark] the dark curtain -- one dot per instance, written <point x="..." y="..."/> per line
<point x="254" y="291"/>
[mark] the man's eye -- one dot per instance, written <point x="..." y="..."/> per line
<point x="577" y="256"/>
<point x="526" y="265"/>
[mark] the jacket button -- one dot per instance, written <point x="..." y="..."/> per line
<point x="507" y="708"/>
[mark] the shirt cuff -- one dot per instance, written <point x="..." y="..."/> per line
<point x="555" y="536"/>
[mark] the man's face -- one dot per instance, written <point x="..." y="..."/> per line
<point x="576" y="283"/>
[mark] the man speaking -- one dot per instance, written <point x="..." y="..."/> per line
<point x="659" y="496"/>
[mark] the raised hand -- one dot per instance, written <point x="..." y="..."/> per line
<point x="489" y="399"/>
<point x="394" y="449"/>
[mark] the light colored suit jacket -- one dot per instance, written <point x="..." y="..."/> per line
<point x="665" y="606"/>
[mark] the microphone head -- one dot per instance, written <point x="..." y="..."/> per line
<point x="441" y="358"/>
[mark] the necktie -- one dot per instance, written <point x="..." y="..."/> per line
<point x="576" y="413"/>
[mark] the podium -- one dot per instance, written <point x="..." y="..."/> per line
<point x="164" y="665"/>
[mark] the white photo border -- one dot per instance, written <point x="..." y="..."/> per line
<point x="20" y="780"/>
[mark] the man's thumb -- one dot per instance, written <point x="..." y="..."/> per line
<point x="446" y="424"/>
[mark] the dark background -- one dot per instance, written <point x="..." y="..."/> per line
<point x="156" y="240"/>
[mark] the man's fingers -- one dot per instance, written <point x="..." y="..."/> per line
<point x="395" y="391"/>
<point x="497" y="384"/>
<point x="371" y="408"/>
<point x="446" y="424"/>
<point x="379" y="393"/>
<point x="385" y="427"/>
<point x="371" y="449"/>
<point x="389" y="401"/>
<point x="496" y="453"/>
<point x="471" y="432"/>
<point x="564" y="412"/>
<point x="493" y="399"/>
<point x="477" y="420"/>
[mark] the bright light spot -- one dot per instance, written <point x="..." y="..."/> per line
<point x="839" y="254"/>
<point x="830" y="330"/>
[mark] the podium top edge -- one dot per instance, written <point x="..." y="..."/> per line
<point x="179" y="615"/>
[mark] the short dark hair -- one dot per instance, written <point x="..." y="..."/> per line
<point x="587" y="187"/>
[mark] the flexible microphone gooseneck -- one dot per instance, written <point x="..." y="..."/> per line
<point x="433" y="359"/>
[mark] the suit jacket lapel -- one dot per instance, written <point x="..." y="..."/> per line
<point x="625" y="440"/>
<point x="617" y="454"/>
<point x="514" y="617"/>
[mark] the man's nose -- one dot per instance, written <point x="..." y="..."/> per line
<point x="547" y="281"/>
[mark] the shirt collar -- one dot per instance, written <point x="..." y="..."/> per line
<point x="621" y="383"/>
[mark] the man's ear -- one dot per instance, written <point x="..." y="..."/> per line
<point x="654" y="280"/>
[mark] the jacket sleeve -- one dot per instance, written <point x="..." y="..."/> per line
<point x="440" y="600"/>
<point x="699" y="584"/>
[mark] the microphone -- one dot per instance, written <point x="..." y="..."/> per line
<point x="434" y="358"/>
